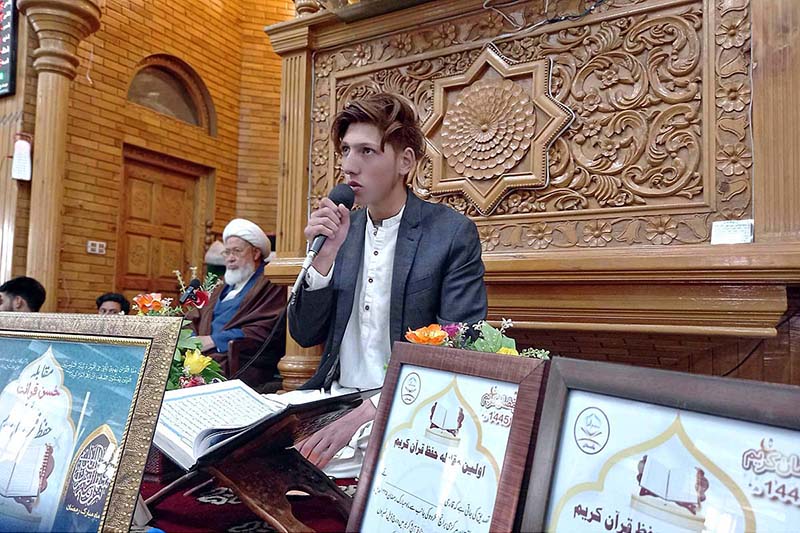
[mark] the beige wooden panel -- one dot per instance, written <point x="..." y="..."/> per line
<point x="156" y="228"/>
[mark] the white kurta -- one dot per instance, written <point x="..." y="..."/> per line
<point x="366" y="345"/>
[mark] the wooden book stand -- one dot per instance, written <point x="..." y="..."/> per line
<point x="262" y="470"/>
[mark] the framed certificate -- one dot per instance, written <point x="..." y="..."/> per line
<point x="79" y="401"/>
<point x="450" y="442"/>
<point x="638" y="450"/>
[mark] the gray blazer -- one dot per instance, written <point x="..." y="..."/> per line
<point x="437" y="277"/>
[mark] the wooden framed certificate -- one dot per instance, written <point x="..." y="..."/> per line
<point x="79" y="401"/>
<point x="638" y="450"/>
<point x="450" y="442"/>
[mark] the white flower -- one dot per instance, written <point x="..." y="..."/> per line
<point x="506" y="323"/>
<point x="479" y="325"/>
<point x="536" y="353"/>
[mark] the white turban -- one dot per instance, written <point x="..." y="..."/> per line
<point x="246" y="230"/>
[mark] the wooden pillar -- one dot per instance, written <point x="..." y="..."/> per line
<point x="60" y="26"/>
<point x="8" y="209"/>
<point x="776" y="119"/>
<point x="293" y="186"/>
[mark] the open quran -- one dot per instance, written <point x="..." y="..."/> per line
<point x="199" y="424"/>
<point x="674" y="495"/>
<point x="24" y="474"/>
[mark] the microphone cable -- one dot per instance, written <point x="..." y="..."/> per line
<point x="280" y="322"/>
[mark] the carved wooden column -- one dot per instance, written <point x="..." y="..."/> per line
<point x="60" y="26"/>
<point x="776" y="120"/>
<point x="299" y="363"/>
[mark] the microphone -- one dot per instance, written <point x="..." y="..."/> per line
<point x="341" y="194"/>
<point x="189" y="293"/>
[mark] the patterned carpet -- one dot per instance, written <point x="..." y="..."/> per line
<point x="216" y="508"/>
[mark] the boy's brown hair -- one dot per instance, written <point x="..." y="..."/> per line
<point x="391" y="114"/>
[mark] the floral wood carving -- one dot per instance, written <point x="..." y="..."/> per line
<point x="489" y="129"/>
<point x="659" y="150"/>
<point x="484" y="137"/>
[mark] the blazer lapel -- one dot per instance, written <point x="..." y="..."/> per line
<point x="347" y="269"/>
<point x="408" y="236"/>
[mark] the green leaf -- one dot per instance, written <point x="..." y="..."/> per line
<point x="210" y="282"/>
<point x="189" y="343"/>
<point x="214" y="367"/>
<point x="508" y="342"/>
<point x="482" y="345"/>
<point x="175" y="372"/>
<point x="492" y="336"/>
<point x="209" y="375"/>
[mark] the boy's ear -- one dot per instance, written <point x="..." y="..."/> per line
<point x="407" y="161"/>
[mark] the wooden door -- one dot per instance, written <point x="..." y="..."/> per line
<point x="157" y="228"/>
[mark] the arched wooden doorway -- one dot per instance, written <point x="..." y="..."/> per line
<point x="165" y="200"/>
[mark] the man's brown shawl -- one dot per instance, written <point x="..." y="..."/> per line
<point x="256" y="315"/>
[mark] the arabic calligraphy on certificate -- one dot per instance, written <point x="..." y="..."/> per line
<point x="442" y="454"/>
<point x="633" y="467"/>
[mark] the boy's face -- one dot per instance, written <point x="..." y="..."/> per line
<point x="373" y="173"/>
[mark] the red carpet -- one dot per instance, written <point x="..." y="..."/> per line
<point x="214" y="508"/>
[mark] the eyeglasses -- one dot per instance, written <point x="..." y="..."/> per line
<point x="236" y="252"/>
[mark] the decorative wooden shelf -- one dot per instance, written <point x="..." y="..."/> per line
<point x="735" y="290"/>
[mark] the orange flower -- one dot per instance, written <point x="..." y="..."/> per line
<point x="148" y="302"/>
<point x="433" y="335"/>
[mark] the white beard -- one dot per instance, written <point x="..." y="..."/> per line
<point x="235" y="277"/>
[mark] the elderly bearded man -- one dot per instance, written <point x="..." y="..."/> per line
<point x="247" y="305"/>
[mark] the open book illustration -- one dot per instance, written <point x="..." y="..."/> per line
<point x="685" y="487"/>
<point x="25" y="474"/>
<point x="198" y="424"/>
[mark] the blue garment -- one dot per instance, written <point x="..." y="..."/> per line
<point x="224" y="311"/>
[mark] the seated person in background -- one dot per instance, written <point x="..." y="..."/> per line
<point x="113" y="303"/>
<point x="247" y="305"/>
<point x="22" y="294"/>
<point x="400" y="263"/>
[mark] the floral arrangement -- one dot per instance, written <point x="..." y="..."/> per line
<point x="487" y="338"/>
<point x="189" y="366"/>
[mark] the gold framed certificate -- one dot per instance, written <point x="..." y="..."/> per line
<point x="639" y="450"/>
<point x="450" y="442"/>
<point x="79" y="401"/>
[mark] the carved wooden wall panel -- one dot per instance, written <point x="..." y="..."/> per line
<point x="583" y="241"/>
<point x="659" y="148"/>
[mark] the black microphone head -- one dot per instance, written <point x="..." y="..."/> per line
<point x="343" y="194"/>
<point x="189" y="293"/>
